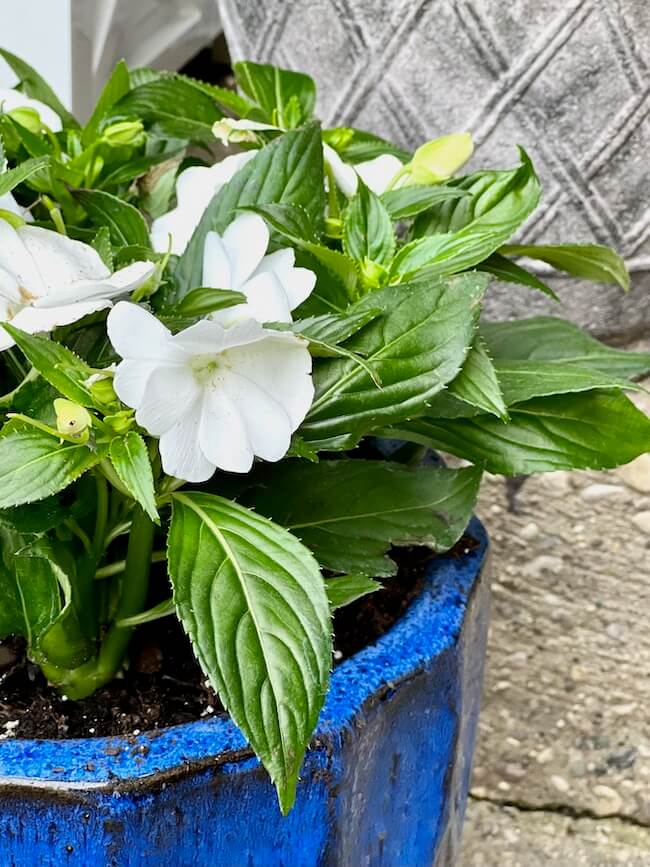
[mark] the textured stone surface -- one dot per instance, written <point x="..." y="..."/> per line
<point x="508" y="837"/>
<point x="568" y="79"/>
<point x="564" y="725"/>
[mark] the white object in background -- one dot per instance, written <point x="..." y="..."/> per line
<point x="74" y="44"/>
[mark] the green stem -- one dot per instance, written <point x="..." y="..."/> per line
<point x="120" y="565"/>
<point x="83" y="681"/>
<point x="81" y="534"/>
<point x="101" y="521"/>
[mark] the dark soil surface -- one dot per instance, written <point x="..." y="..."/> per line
<point x="164" y="685"/>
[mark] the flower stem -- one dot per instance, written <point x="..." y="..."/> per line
<point x="83" y="681"/>
<point x="101" y="520"/>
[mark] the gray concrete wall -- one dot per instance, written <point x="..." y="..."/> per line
<point x="568" y="79"/>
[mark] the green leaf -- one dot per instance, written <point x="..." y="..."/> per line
<point x="173" y="107"/>
<point x="510" y="272"/>
<point x="591" y="430"/>
<point x="523" y="380"/>
<point x="546" y="338"/>
<point x="275" y="89"/>
<point x="478" y="382"/>
<point x="102" y="243"/>
<point x="40" y="595"/>
<point x="368" y="229"/>
<point x="344" y="589"/>
<point x="12" y="616"/>
<point x="334" y="328"/>
<point x="64" y="370"/>
<point x="53" y="630"/>
<point x="34" y="465"/>
<point x="290" y="221"/>
<point x="13" y="177"/>
<point x="350" y="512"/>
<point x="253" y="603"/>
<point x="591" y="261"/>
<point x="407" y="202"/>
<point x="200" y="302"/>
<point x="288" y="170"/>
<point x="130" y="460"/>
<point x="36" y="87"/>
<point x="117" y="86"/>
<point x="46" y="514"/>
<point x="462" y="233"/>
<point x="415" y="348"/>
<point x="229" y="99"/>
<point x="124" y="222"/>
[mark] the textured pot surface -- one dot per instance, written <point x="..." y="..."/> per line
<point x="384" y="783"/>
<point x="565" y="78"/>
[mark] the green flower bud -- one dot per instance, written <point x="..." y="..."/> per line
<point x="125" y="132"/>
<point x="120" y="422"/>
<point x="72" y="419"/>
<point x="27" y="117"/>
<point x="373" y="275"/>
<point x="438" y="160"/>
<point x="103" y="392"/>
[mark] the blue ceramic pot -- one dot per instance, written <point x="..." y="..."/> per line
<point x="384" y="783"/>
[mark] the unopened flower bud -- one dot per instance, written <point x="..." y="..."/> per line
<point x="27" y="117"/>
<point x="71" y="418"/>
<point x="125" y="132"/>
<point x="438" y="160"/>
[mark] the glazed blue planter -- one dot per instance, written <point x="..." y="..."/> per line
<point x="384" y="783"/>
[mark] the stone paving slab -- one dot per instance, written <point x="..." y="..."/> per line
<point x="565" y="725"/>
<point x="508" y="837"/>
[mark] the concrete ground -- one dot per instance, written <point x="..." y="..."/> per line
<point x="562" y="769"/>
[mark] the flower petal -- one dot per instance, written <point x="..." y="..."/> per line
<point x="61" y="260"/>
<point x="222" y="434"/>
<point x="130" y="380"/>
<point x="379" y="172"/>
<point x="179" y="453"/>
<point x="120" y="283"/>
<point x="297" y="283"/>
<point x="267" y="302"/>
<point x="17" y="260"/>
<point x="216" y="266"/>
<point x="8" y="203"/>
<point x="195" y="188"/>
<point x="280" y="365"/>
<point x="36" y="320"/>
<point x="171" y="390"/>
<point x="267" y="424"/>
<point x="245" y="240"/>
<point x="135" y="333"/>
<point x="209" y="336"/>
<point x="344" y="175"/>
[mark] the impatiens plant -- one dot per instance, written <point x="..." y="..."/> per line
<point x="200" y="357"/>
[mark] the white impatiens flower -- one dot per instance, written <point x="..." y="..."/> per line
<point x="48" y="280"/>
<point x="237" y="260"/>
<point x="215" y="396"/>
<point x="10" y="100"/>
<point x="195" y="188"/>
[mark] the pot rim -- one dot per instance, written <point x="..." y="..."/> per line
<point x="429" y="625"/>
